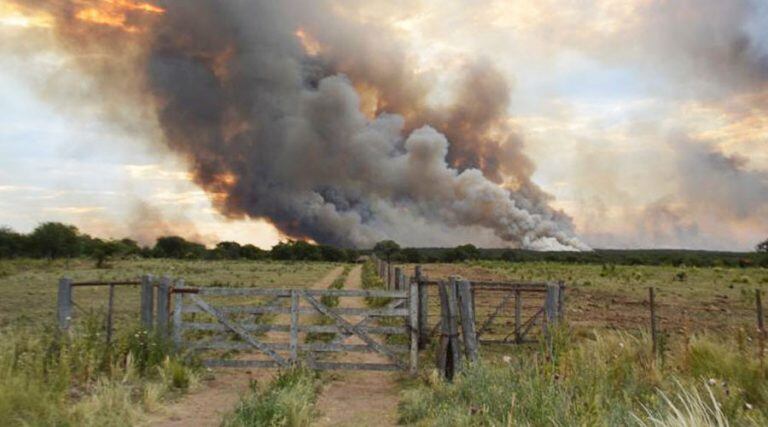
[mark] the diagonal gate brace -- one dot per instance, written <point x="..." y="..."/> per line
<point x="353" y="329"/>
<point x="236" y="328"/>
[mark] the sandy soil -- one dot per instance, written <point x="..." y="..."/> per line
<point x="358" y="398"/>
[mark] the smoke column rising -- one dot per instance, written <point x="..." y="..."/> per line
<point x="273" y="131"/>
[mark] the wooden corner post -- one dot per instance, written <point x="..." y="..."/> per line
<point x="448" y="354"/>
<point x="423" y="308"/>
<point x="399" y="285"/>
<point x="413" y="323"/>
<point x="654" y="332"/>
<point x="466" y="307"/>
<point x="178" y="319"/>
<point x="147" y="301"/>
<point x="163" y="305"/>
<point x="64" y="303"/>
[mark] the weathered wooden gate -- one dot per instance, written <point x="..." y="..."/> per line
<point x="282" y="327"/>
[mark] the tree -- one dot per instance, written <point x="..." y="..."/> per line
<point x="296" y="250"/>
<point x="177" y="247"/>
<point x="12" y="244"/>
<point x="762" y="246"/>
<point x="332" y="253"/>
<point x="462" y="253"/>
<point x="386" y="249"/>
<point x="229" y="250"/>
<point x="55" y="240"/>
<point x="251" y="252"/>
<point x="411" y="255"/>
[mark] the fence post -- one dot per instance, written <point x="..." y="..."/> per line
<point x="390" y="276"/>
<point x="760" y="324"/>
<point x="518" y="316"/>
<point x="561" y="302"/>
<point x="652" y="303"/>
<point x="550" y="313"/>
<point x="147" y="301"/>
<point x="467" y="309"/>
<point x="294" y="345"/>
<point x="423" y="308"/>
<point x="163" y="303"/>
<point x="64" y="303"/>
<point x="413" y="312"/>
<point x="178" y="319"/>
<point x="449" y="356"/>
<point x="110" y="310"/>
<point x="398" y="278"/>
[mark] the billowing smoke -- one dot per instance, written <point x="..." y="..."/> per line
<point x="273" y="129"/>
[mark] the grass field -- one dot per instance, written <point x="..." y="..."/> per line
<point x="600" y="373"/>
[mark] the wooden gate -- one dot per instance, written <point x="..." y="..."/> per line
<point x="282" y="327"/>
<point x="504" y="312"/>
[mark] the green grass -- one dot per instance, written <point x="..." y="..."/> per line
<point x="28" y="287"/>
<point x="609" y="378"/>
<point x="51" y="378"/>
<point x="287" y="401"/>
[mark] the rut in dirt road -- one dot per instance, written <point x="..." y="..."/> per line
<point x="359" y="398"/>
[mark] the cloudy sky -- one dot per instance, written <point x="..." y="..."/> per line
<point x="647" y="120"/>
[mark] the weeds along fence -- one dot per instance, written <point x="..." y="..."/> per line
<point x="153" y="307"/>
<point x="526" y="312"/>
<point x="462" y="314"/>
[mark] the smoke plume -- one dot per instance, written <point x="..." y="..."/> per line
<point x="263" y="99"/>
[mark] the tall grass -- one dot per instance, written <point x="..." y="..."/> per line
<point x="53" y="378"/>
<point x="607" y="379"/>
<point x="287" y="401"/>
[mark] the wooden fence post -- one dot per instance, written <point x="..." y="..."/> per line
<point x="147" y="301"/>
<point x="518" y="316"/>
<point x="654" y="334"/>
<point x="110" y="311"/>
<point x="178" y="319"/>
<point x="413" y="317"/>
<point x="760" y="325"/>
<point x="448" y="355"/>
<point x="423" y="309"/>
<point x="64" y="303"/>
<point x="561" y="302"/>
<point x="390" y="276"/>
<point x="294" y="345"/>
<point x="467" y="319"/>
<point x="163" y="304"/>
<point x="398" y="279"/>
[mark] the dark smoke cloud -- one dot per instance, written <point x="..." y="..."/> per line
<point x="270" y="132"/>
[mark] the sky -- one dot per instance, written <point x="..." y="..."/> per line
<point x="646" y="121"/>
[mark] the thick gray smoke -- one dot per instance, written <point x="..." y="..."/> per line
<point x="273" y="132"/>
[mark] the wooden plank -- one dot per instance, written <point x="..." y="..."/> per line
<point x="240" y="364"/>
<point x="341" y="337"/>
<point x="236" y="328"/>
<point x="218" y="291"/>
<point x="333" y="366"/>
<point x="101" y="283"/>
<point x="316" y="347"/>
<point x="318" y="329"/>
<point x="163" y="295"/>
<point x="469" y="334"/>
<point x="178" y="319"/>
<point x="147" y="301"/>
<point x="259" y="309"/>
<point x="294" y="326"/>
<point x="359" y="332"/>
<point x="414" y="326"/>
<point x="64" y="303"/>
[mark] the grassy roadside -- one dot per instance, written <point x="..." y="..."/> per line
<point x="609" y="378"/>
<point x="49" y="378"/>
<point x="286" y="401"/>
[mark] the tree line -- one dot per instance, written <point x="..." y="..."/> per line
<point x="54" y="240"/>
